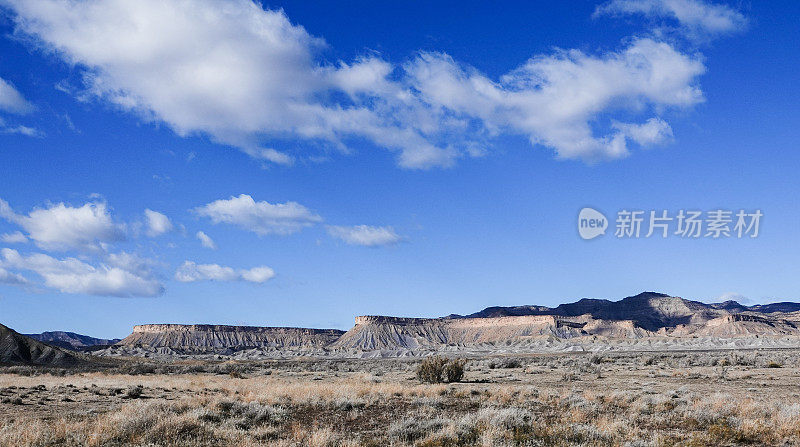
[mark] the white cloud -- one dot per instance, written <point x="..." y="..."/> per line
<point x="654" y="131"/>
<point x="14" y="238"/>
<point x="696" y="17"/>
<point x="733" y="296"/>
<point x="7" y="277"/>
<point x="19" y="130"/>
<point x="365" y="235"/>
<point x="11" y="100"/>
<point x="246" y="76"/>
<point x="191" y="272"/>
<point x="555" y="99"/>
<point x="157" y="223"/>
<point x="206" y="240"/>
<point x="257" y="274"/>
<point x="259" y="217"/>
<point x="123" y="276"/>
<point x="63" y="227"/>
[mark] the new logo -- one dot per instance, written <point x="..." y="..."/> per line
<point x="591" y="223"/>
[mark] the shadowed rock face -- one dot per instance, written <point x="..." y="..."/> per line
<point x="648" y="310"/>
<point x="71" y="340"/>
<point x="206" y="337"/>
<point x="17" y="349"/>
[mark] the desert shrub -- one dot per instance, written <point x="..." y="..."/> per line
<point x="412" y="429"/>
<point x="249" y="414"/>
<point x="136" y="369"/>
<point x="438" y="369"/>
<point x="511" y="363"/>
<point x="430" y="369"/>
<point x="134" y="392"/>
<point x="454" y="370"/>
<point x="774" y="365"/>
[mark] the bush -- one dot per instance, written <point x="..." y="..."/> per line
<point x="430" y="369"/>
<point x="511" y="363"/>
<point x="438" y="369"/>
<point x="134" y="392"/>
<point x="454" y="370"/>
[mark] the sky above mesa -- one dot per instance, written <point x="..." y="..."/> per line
<point x="300" y="163"/>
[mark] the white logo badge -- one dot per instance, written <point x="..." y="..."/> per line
<point x="591" y="223"/>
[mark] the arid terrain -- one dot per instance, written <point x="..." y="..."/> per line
<point x="648" y="370"/>
<point x="678" y="398"/>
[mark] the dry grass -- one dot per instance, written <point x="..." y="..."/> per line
<point x="660" y="399"/>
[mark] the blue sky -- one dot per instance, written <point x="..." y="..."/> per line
<point x="360" y="158"/>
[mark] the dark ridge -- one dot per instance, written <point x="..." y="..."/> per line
<point x="730" y="306"/>
<point x="648" y="310"/>
<point x="775" y="307"/>
<point x="17" y="349"/>
<point x="71" y="340"/>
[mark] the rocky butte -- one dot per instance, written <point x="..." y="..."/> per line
<point x="648" y="321"/>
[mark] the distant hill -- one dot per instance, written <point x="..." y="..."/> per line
<point x="649" y="310"/>
<point x="18" y="349"/>
<point x="649" y="320"/>
<point x="71" y="340"/>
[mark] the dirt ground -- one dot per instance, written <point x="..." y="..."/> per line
<point x="680" y="398"/>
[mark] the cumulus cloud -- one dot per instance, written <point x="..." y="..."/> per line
<point x="191" y="272"/>
<point x="696" y="17"/>
<point x="63" y="227"/>
<point x="157" y="223"/>
<point x="11" y="100"/>
<point x="259" y="217"/>
<point x="122" y="276"/>
<point x="246" y="76"/>
<point x="554" y="99"/>
<point x="206" y="240"/>
<point x="14" y="238"/>
<point x="365" y="235"/>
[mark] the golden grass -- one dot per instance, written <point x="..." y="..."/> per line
<point x="382" y="404"/>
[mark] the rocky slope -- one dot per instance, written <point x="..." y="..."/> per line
<point x="71" y="340"/>
<point x="648" y="321"/>
<point x="206" y="338"/>
<point x="17" y="349"/>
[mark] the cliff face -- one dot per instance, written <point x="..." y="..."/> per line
<point x="202" y="337"/>
<point x="378" y="332"/>
<point x="637" y="318"/>
<point x="647" y="320"/>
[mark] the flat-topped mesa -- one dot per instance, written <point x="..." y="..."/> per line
<point x="150" y="328"/>
<point x="394" y="333"/>
<point x="210" y="337"/>
<point x="383" y="319"/>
